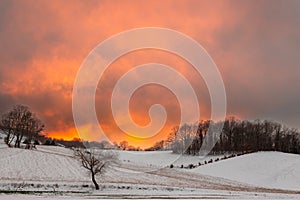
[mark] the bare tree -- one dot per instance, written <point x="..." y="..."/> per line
<point x="236" y="136"/>
<point x="183" y="138"/>
<point x="7" y="124"/>
<point x="124" y="145"/>
<point x="95" y="161"/>
<point x="20" y="123"/>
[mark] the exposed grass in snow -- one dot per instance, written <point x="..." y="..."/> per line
<point x="264" y="169"/>
<point x="162" y="158"/>
<point x="20" y="164"/>
<point x="53" y="170"/>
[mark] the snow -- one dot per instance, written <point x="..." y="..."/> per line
<point x="21" y="164"/>
<point x="154" y="193"/>
<point x="162" y="158"/>
<point x="49" y="170"/>
<point x="2" y="136"/>
<point x="264" y="169"/>
<point x="160" y="193"/>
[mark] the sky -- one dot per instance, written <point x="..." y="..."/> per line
<point x="255" y="45"/>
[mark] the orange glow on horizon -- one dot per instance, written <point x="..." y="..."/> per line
<point x="69" y="135"/>
<point x="39" y="65"/>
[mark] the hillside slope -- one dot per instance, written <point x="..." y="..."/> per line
<point x="264" y="169"/>
<point x="36" y="165"/>
<point x="57" y="165"/>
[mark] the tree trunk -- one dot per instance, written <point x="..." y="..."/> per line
<point x="16" y="142"/>
<point x="19" y="142"/>
<point x="8" y="138"/>
<point x="94" y="181"/>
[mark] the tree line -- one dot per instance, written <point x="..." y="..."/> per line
<point x="236" y="136"/>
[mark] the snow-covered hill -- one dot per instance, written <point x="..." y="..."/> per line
<point x="162" y="158"/>
<point x="21" y="164"/>
<point x="264" y="169"/>
<point x="50" y="168"/>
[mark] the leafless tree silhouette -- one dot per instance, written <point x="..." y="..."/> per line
<point x="96" y="161"/>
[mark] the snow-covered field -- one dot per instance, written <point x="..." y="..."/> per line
<point x="264" y="169"/>
<point x="52" y="172"/>
<point x="162" y="158"/>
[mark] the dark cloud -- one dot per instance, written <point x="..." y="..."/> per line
<point x="258" y="58"/>
<point x="6" y="102"/>
<point x="256" y="46"/>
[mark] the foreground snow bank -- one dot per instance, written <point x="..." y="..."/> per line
<point x="264" y="169"/>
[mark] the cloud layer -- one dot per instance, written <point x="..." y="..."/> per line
<point x="254" y="44"/>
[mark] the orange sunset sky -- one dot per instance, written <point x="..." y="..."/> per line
<point x="255" y="45"/>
